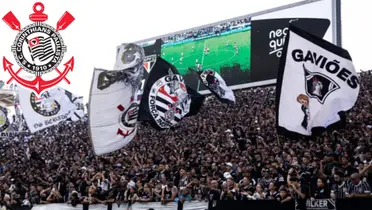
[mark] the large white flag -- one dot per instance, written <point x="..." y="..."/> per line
<point x="50" y="108"/>
<point x="316" y="84"/>
<point x="114" y="101"/>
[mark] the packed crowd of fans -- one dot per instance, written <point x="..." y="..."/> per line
<point x="215" y="29"/>
<point x="226" y="152"/>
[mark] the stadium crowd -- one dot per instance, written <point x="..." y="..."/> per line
<point x="202" y="32"/>
<point x="228" y="152"/>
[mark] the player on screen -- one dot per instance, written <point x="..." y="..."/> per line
<point x="227" y="43"/>
<point x="236" y="48"/>
<point x="181" y="54"/>
<point x="207" y="51"/>
<point x="198" y="67"/>
<point x="192" y="48"/>
<point x="181" y="59"/>
<point x="196" y="62"/>
<point x="172" y="59"/>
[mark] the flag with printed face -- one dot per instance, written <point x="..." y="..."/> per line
<point x="49" y="108"/>
<point x="317" y="83"/>
<point x="114" y="100"/>
<point x="217" y="85"/>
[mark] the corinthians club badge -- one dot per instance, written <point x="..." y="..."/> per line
<point x="4" y="122"/>
<point x="38" y="49"/>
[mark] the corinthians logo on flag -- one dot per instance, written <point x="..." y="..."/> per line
<point x="169" y="100"/>
<point x="4" y="121"/>
<point x="38" y="49"/>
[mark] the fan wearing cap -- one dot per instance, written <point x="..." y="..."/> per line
<point x="230" y="191"/>
<point x="229" y="169"/>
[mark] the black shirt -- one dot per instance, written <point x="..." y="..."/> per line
<point x="214" y="194"/>
<point x="271" y="196"/>
<point x="300" y="201"/>
<point x="321" y="193"/>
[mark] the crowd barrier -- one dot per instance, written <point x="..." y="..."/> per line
<point x="319" y="204"/>
<point x="193" y="205"/>
<point x="316" y="204"/>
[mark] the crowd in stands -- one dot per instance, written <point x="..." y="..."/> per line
<point x="228" y="152"/>
<point x="215" y="29"/>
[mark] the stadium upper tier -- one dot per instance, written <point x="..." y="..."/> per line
<point x="6" y="97"/>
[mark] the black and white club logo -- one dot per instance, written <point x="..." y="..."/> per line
<point x="44" y="105"/>
<point x="38" y="48"/>
<point x="129" y="117"/>
<point x="4" y="121"/>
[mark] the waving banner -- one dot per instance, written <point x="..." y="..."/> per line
<point x="166" y="98"/>
<point x="317" y="83"/>
<point x="114" y="100"/>
<point x="79" y="105"/>
<point x="50" y="108"/>
<point x="217" y="85"/>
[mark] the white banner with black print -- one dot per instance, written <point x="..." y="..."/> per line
<point x="319" y="204"/>
<point x="49" y="108"/>
<point x="193" y="205"/>
<point x="317" y="83"/>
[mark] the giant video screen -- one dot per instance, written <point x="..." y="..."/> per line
<point x="242" y="50"/>
<point x="225" y="50"/>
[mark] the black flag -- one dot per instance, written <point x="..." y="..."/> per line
<point x="166" y="99"/>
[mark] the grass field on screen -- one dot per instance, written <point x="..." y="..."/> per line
<point x="221" y="52"/>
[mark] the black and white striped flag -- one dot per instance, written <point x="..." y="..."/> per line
<point x="41" y="48"/>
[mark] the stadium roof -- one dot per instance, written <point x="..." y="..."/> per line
<point x="7" y="97"/>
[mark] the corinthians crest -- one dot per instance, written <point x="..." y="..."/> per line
<point x="169" y="100"/>
<point x="4" y="121"/>
<point x="38" y="49"/>
<point x="44" y="105"/>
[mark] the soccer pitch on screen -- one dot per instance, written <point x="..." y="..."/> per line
<point x="224" y="51"/>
